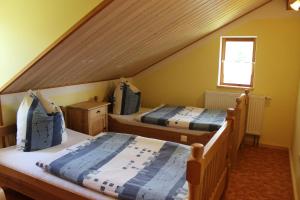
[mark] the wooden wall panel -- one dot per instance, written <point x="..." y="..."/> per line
<point x="126" y="37"/>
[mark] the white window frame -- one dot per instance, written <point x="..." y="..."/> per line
<point x="223" y="41"/>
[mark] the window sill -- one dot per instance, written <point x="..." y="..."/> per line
<point x="235" y="87"/>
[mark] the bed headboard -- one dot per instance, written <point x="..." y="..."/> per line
<point x="220" y="100"/>
<point x="8" y="135"/>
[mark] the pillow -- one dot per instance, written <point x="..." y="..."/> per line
<point x="51" y="108"/>
<point x="48" y="106"/>
<point x="36" y="128"/>
<point x="126" y="99"/>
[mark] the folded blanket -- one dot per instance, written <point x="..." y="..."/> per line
<point x="185" y="117"/>
<point x="124" y="166"/>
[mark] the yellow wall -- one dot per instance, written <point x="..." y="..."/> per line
<point x="27" y="27"/>
<point x="184" y="77"/>
<point x="61" y="96"/>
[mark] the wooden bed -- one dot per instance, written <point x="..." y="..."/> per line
<point x="156" y="131"/>
<point x="206" y="173"/>
<point x="2" y="195"/>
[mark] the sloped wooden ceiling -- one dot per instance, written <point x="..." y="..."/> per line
<point x="123" y="37"/>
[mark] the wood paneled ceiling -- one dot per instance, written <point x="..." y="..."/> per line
<point x="124" y="37"/>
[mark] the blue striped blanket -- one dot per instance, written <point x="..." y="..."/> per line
<point x="185" y="117"/>
<point x="124" y="166"/>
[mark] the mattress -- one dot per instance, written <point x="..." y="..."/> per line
<point x="132" y="120"/>
<point x="185" y="117"/>
<point x="25" y="162"/>
<point x="125" y="166"/>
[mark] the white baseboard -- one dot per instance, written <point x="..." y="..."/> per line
<point x="293" y="176"/>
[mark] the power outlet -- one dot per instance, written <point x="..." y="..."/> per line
<point x="183" y="138"/>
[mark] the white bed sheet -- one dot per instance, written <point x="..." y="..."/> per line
<point x="132" y="120"/>
<point x="24" y="162"/>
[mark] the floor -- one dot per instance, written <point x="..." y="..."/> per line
<point x="260" y="174"/>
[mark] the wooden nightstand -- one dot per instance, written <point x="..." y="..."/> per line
<point x="89" y="117"/>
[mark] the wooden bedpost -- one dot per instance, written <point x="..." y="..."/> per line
<point x="1" y="116"/>
<point x="2" y="195"/>
<point x="239" y="125"/>
<point x="247" y="94"/>
<point x="231" y="119"/>
<point x="193" y="174"/>
<point x="242" y="114"/>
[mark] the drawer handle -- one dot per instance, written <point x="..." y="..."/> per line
<point x="98" y="112"/>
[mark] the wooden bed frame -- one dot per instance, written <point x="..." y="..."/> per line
<point x="239" y="126"/>
<point x="2" y="195"/>
<point x="206" y="173"/>
<point x="240" y="113"/>
<point x="158" y="133"/>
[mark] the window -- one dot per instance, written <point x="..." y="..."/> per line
<point x="237" y="58"/>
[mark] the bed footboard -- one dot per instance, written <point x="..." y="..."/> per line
<point x="239" y="125"/>
<point x="207" y="167"/>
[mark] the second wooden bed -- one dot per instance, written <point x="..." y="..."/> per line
<point x="117" y="124"/>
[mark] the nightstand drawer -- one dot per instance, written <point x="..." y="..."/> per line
<point x="88" y="117"/>
<point x="98" y="111"/>
<point x="97" y="125"/>
<point x="97" y="121"/>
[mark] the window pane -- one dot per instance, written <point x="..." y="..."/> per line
<point x="241" y="51"/>
<point x="237" y="73"/>
<point x="237" y="62"/>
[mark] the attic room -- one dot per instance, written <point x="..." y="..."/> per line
<point x="117" y="99"/>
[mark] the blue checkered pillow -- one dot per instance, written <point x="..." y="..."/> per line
<point x="126" y="98"/>
<point x="36" y="128"/>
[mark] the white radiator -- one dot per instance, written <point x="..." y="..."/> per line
<point x="256" y="111"/>
<point x="220" y="100"/>
<point x="224" y="100"/>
